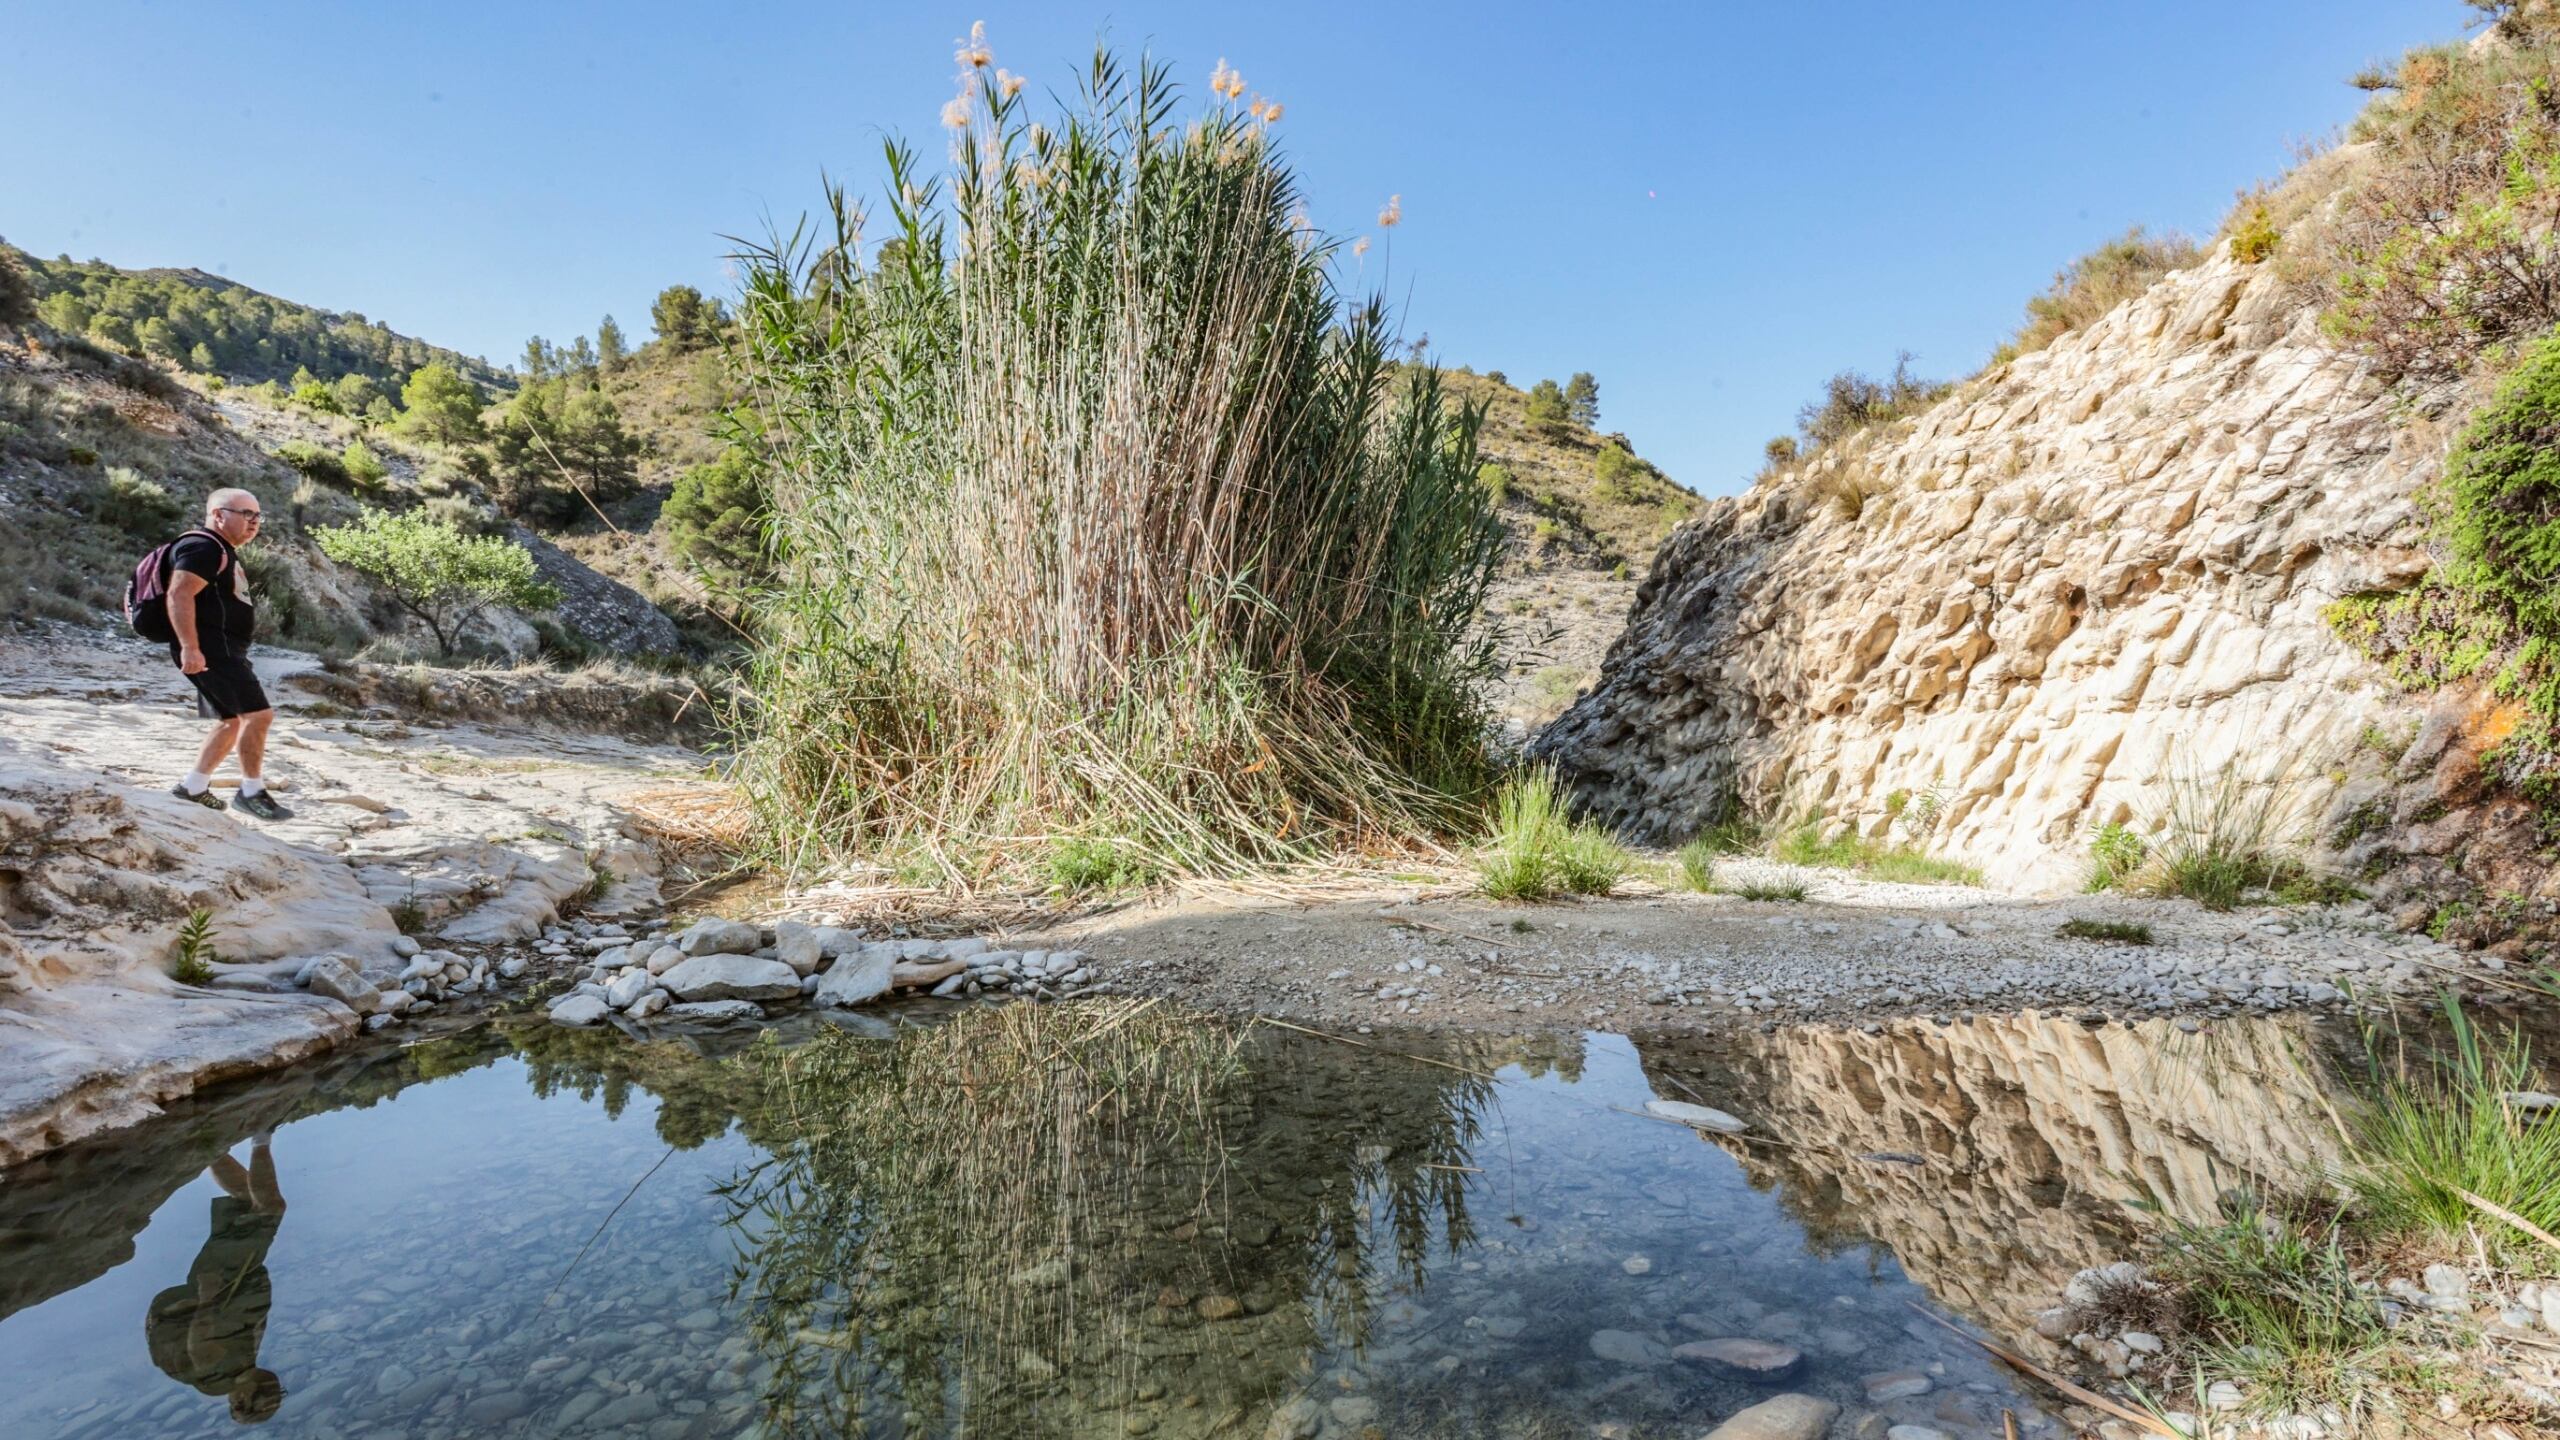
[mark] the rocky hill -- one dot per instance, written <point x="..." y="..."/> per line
<point x="1584" y="513"/>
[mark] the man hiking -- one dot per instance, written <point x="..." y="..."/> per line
<point x="212" y="617"/>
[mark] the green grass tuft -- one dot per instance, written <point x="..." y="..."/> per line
<point x="2445" y="1125"/>
<point x="1536" y="850"/>
<point x="1081" y="865"/>
<point x="2118" y="932"/>
<point x="2272" y="1301"/>
<point x="1782" y="890"/>
<point x="1900" y="864"/>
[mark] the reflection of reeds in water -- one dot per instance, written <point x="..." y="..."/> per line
<point x="1021" y="1221"/>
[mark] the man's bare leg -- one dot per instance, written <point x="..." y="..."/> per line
<point x="219" y="743"/>
<point x="253" y="747"/>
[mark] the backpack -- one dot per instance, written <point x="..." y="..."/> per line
<point x="146" y="595"/>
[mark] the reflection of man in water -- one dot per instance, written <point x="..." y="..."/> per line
<point x="206" y="1332"/>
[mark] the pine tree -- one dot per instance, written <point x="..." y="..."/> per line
<point x="1547" y="410"/>
<point x="1582" y="400"/>
<point x="610" y="349"/>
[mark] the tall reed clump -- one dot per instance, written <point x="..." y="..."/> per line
<point x="1102" y="513"/>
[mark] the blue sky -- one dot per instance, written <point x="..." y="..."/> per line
<point x="1709" y="206"/>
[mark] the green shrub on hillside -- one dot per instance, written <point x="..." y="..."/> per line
<point x="2100" y="281"/>
<point x="316" y="462"/>
<point x="1547" y="412"/>
<point x="364" y="469"/>
<point x="1851" y="402"/>
<point x="2497" y="506"/>
<point x="141" y="508"/>
<point x="443" y="407"/>
<point x="2491" y="610"/>
<point x="2447" y="247"/>
<point x="716" y="519"/>
<point x="17" y="291"/>
<point x="685" y="320"/>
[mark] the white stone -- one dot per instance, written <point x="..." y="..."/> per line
<point x="579" y="1010"/>
<point x="731" y="977"/>
<point x="720" y="937"/>
<point x="338" y="980"/>
<point x="1698" y="1116"/>
<point x="856" y="978"/>
<point x="649" y="1004"/>
<point x="627" y="987"/>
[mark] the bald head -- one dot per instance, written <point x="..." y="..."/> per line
<point x="232" y="514"/>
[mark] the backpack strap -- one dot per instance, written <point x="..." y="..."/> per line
<point x="221" y="568"/>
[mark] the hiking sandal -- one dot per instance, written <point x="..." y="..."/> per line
<point x="262" y="805"/>
<point x="204" y="797"/>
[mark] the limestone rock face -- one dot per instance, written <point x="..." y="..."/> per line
<point x="94" y="883"/>
<point x="2098" y="564"/>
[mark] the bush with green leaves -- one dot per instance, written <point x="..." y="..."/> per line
<point x="1852" y="402"/>
<point x="1548" y="412"/>
<point x="1099" y="511"/>
<point x="2490" y="611"/>
<point x="316" y="462"/>
<point x="141" y="508"/>
<point x="441" y="406"/>
<point x="17" y="291"/>
<point x="2116" y="851"/>
<point x="435" y="572"/>
<point x="716" y="520"/>
<point x="2446" y="249"/>
<point x="364" y="469"/>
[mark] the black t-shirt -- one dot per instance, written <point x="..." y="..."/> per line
<point x="225" y="618"/>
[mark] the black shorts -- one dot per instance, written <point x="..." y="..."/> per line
<point x="226" y="688"/>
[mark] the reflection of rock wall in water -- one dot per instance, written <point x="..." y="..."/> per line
<point x="2033" y="1134"/>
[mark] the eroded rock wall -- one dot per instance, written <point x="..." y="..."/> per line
<point x="2099" y="565"/>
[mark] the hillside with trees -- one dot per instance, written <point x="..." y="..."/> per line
<point x="206" y="325"/>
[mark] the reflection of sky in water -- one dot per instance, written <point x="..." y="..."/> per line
<point x="424" y="1281"/>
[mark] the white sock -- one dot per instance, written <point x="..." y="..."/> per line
<point x="197" y="782"/>
<point x="251" y="785"/>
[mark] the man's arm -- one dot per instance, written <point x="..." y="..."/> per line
<point x="183" y="585"/>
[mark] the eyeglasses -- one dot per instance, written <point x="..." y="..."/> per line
<point x="253" y="516"/>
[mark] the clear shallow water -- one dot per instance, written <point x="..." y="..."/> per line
<point x="1087" y="1222"/>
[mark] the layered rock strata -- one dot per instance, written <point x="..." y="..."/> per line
<point x="2028" y="610"/>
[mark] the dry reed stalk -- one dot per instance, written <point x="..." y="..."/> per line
<point x="700" y="814"/>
